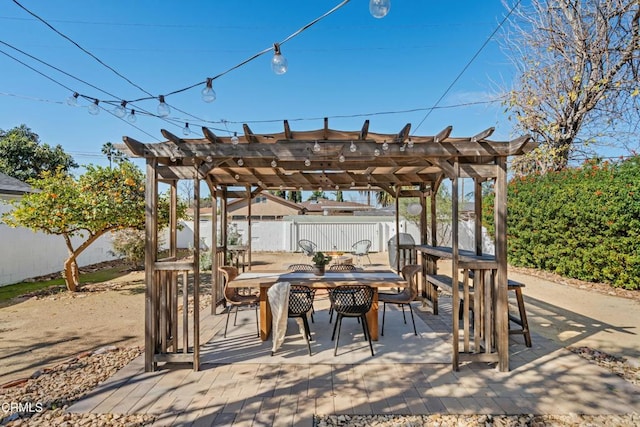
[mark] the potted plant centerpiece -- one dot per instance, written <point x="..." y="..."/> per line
<point x="320" y="260"/>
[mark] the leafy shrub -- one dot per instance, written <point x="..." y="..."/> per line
<point x="130" y="245"/>
<point x="581" y="222"/>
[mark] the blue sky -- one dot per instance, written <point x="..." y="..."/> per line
<point x="348" y="64"/>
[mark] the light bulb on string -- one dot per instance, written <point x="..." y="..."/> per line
<point x="72" y="101"/>
<point x="163" y="109"/>
<point x="379" y="8"/>
<point x="341" y="158"/>
<point x="279" y="63"/>
<point x="121" y="110"/>
<point x="209" y="159"/>
<point x="385" y="146"/>
<point x="376" y="152"/>
<point x="240" y="162"/>
<point x="94" y="109"/>
<point x="307" y="162"/>
<point x="274" y="163"/>
<point x="316" y="147"/>
<point x="402" y="147"/>
<point x="234" y="139"/>
<point x="208" y="94"/>
<point x="185" y="130"/>
<point x="131" y="118"/>
<point x="410" y="143"/>
<point x="353" y="147"/>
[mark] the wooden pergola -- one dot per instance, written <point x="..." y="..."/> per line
<point x="242" y="166"/>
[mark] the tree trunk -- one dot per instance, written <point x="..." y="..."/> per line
<point x="71" y="273"/>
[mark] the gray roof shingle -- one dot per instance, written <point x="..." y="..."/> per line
<point x="10" y="185"/>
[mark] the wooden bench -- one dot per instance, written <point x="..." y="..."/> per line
<point x="444" y="282"/>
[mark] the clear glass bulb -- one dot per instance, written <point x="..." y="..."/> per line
<point x="385" y="146"/>
<point x="72" y="101"/>
<point x="307" y="162"/>
<point x="94" y="110"/>
<point x="379" y="8"/>
<point x="341" y="158"/>
<point x="209" y="159"/>
<point x="279" y="64"/>
<point x="163" y="109"/>
<point x="132" y="117"/>
<point x="234" y="139"/>
<point x="237" y="177"/>
<point x="120" y="111"/>
<point x="410" y="144"/>
<point x="353" y="147"/>
<point x="185" y="130"/>
<point x="402" y="147"/>
<point x="316" y="147"/>
<point x="240" y="162"/>
<point x="274" y="163"/>
<point x="376" y="152"/>
<point x="208" y="94"/>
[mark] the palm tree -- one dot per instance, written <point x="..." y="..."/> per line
<point x="112" y="153"/>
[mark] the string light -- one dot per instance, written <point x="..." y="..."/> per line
<point x="274" y="163"/>
<point x="208" y="94"/>
<point x="316" y="147"/>
<point x="131" y="118"/>
<point x="185" y="129"/>
<point x="240" y="162"/>
<point x="279" y="63"/>
<point x="121" y="110"/>
<point x="209" y="159"/>
<point x="72" y="101"/>
<point x="385" y="146"/>
<point x="234" y="139"/>
<point x="307" y="162"/>
<point x="353" y="147"/>
<point x="410" y="143"/>
<point x="163" y="109"/>
<point x="379" y="8"/>
<point x="376" y="152"/>
<point x="94" y="109"/>
<point x="341" y="158"/>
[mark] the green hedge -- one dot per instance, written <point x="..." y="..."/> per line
<point x="582" y="222"/>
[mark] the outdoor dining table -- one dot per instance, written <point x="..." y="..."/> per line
<point x="264" y="279"/>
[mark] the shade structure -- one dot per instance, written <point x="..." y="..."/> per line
<point x="243" y="166"/>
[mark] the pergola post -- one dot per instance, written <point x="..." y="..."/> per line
<point x="150" y="257"/>
<point x="455" y="297"/>
<point x="502" y="314"/>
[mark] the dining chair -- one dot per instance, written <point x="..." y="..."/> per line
<point x="343" y="267"/>
<point x="405" y="297"/>
<point x="300" y="303"/>
<point x="300" y="267"/>
<point x="234" y="299"/>
<point x="307" y="247"/>
<point x="304" y="268"/>
<point x="352" y="301"/>
<point x="361" y="249"/>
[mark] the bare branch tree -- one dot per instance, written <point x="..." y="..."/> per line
<point x="577" y="89"/>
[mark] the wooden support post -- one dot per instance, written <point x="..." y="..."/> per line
<point x="151" y="251"/>
<point x="502" y="313"/>
<point x="196" y="275"/>
<point x="477" y="206"/>
<point x="455" y="299"/>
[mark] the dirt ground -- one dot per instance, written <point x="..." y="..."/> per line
<point x="37" y="332"/>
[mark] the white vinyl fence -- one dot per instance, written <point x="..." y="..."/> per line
<point x="25" y="254"/>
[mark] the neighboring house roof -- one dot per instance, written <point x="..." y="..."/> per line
<point x="265" y="205"/>
<point x="13" y="186"/>
<point x="325" y="205"/>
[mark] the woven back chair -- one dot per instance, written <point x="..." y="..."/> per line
<point x="300" y="303"/>
<point x="234" y="299"/>
<point x="352" y="301"/>
<point x="300" y="267"/>
<point x="343" y="267"/>
<point x="410" y="273"/>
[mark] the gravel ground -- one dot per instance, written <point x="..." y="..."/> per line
<point x="44" y="398"/>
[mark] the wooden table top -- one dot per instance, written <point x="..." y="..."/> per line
<point x="331" y="279"/>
